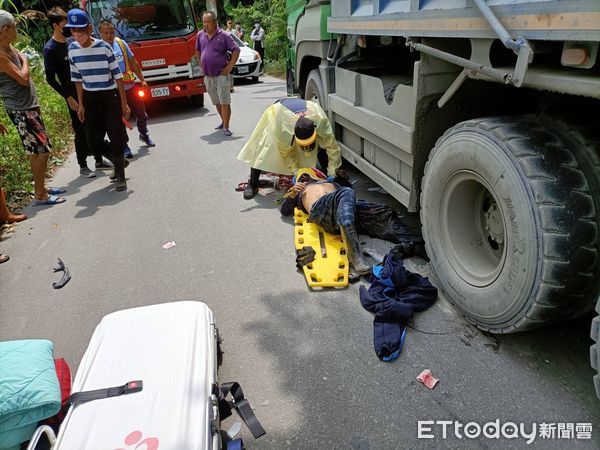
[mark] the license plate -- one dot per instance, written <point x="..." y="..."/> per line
<point x="160" y="92"/>
<point x="153" y="62"/>
<point x="243" y="69"/>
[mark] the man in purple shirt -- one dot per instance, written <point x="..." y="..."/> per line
<point x="212" y="47"/>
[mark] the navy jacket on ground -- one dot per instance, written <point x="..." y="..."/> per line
<point x="393" y="297"/>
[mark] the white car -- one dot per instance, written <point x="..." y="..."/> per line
<point x="248" y="64"/>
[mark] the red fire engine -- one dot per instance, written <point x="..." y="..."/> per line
<point x="162" y="36"/>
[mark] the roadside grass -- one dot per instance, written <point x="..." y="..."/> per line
<point x="15" y="172"/>
<point x="275" y="68"/>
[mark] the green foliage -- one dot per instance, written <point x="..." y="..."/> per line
<point x="31" y="19"/>
<point x="275" y="68"/>
<point x="273" y="17"/>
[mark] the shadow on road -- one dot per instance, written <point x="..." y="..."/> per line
<point x="217" y="137"/>
<point x="101" y="197"/>
<point x="260" y="202"/>
<point x="326" y="342"/>
<point x="172" y="110"/>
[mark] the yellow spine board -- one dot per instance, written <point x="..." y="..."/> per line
<point x="330" y="267"/>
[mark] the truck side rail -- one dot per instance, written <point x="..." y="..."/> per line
<point x="570" y="20"/>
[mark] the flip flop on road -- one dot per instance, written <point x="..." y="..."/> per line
<point x="55" y="191"/>
<point x="51" y="200"/>
<point x="4" y="258"/>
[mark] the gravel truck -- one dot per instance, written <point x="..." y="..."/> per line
<point x="483" y="116"/>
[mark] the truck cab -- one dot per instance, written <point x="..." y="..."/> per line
<point x="162" y="36"/>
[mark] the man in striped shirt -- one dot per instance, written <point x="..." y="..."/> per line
<point x="101" y="95"/>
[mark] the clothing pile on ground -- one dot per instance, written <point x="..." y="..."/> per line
<point x="395" y="294"/>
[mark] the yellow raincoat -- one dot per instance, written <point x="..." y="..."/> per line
<point x="272" y="147"/>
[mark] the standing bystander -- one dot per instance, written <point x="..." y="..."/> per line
<point x="258" y="37"/>
<point x="229" y="23"/>
<point x="21" y="104"/>
<point x="212" y="46"/>
<point x="58" y="75"/>
<point x="230" y="30"/>
<point x="239" y="32"/>
<point x="100" y="92"/>
<point x="129" y="68"/>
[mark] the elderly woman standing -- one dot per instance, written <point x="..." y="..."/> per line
<point x="21" y="104"/>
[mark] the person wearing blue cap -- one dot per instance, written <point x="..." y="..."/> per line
<point x="100" y="91"/>
<point x="58" y="76"/>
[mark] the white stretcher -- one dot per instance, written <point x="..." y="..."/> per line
<point x="172" y="348"/>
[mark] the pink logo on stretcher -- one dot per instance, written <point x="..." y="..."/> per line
<point x="135" y="438"/>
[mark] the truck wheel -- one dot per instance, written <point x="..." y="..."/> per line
<point x="586" y="150"/>
<point x="314" y="90"/>
<point x="595" y="349"/>
<point x="509" y="224"/>
<point x="197" y="100"/>
<point x="587" y="153"/>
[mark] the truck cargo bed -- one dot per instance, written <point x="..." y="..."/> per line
<point x="577" y="20"/>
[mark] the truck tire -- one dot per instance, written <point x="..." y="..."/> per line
<point x="314" y="90"/>
<point x="509" y="224"/>
<point x="197" y="100"/>
<point x="586" y="149"/>
<point x="595" y="349"/>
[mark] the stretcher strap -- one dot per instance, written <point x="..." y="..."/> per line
<point x="87" y="396"/>
<point x="240" y="405"/>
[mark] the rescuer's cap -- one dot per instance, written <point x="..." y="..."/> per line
<point x="305" y="132"/>
<point x="77" y="18"/>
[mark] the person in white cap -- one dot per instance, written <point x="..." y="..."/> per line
<point x="21" y="104"/>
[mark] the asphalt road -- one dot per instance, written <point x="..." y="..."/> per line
<point x="305" y="359"/>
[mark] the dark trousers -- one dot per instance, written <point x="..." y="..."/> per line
<point x="103" y="116"/>
<point x="82" y="150"/>
<point x="334" y="210"/>
<point x="136" y="104"/>
<point x="258" y="46"/>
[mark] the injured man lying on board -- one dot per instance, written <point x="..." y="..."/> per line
<point x="329" y="205"/>
<point x="332" y="204"/>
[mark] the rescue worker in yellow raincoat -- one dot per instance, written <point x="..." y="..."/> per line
<point x="288" y="137"/>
